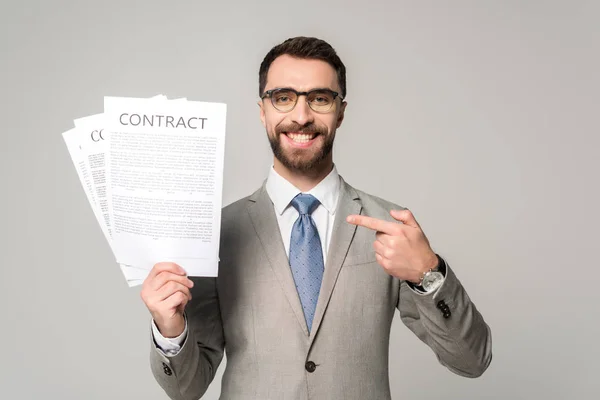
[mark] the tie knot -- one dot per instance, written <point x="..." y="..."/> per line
<point x="305" y="203"/>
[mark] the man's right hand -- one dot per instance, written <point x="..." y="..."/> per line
<point x="165" y="292"/>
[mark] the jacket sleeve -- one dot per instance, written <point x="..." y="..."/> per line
<point x="450" y="324"/>
<point x="187" y="375"/>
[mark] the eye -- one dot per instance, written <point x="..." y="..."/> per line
<point x="321" y="98"/>
<point x="284" y="97"/>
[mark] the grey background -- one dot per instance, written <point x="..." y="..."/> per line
<point x="480" y="116"/>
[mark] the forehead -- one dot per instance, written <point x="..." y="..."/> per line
<point x="301" y="74"/>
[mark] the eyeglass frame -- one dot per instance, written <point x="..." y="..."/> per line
<point x="269" y="93"/>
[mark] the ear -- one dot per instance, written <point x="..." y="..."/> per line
<point x="341" y="114"/>
<point x="262" y="113"/>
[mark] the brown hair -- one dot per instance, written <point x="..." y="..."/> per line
<point x="307" y="48"/>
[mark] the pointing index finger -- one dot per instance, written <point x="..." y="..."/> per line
<point x="372" y="223"/>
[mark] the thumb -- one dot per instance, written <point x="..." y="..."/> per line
<point x="406" y="217"/>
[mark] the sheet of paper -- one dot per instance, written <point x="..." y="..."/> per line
<point x="72" y="139"/>
<point x="132" y="273"/>
<point x="94" y="148"/>
<point x="75" y="139"/>
<point x="164" y="181"/>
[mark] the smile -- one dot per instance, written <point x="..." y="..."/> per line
<point x="301" y="138"/>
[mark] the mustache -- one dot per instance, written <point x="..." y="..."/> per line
<point x="310" y="128"/>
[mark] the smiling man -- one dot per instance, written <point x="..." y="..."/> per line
<point x="311" y="269"/>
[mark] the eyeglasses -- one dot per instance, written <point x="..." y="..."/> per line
<point x="285" y="99"/>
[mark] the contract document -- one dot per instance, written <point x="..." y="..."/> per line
<point x="152" y="170"/>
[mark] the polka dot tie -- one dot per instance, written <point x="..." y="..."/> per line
<point x="306" y="255"/>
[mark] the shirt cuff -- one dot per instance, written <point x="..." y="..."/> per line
<point x="169" y="346"/>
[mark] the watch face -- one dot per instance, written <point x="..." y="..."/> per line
<point x="432" y="281"/>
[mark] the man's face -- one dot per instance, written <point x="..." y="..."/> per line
<point x="301" y="139"/>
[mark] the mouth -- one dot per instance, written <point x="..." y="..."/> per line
<point x="301" y="139"/>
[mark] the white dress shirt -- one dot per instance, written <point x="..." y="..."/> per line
<point x="281" y="193"/>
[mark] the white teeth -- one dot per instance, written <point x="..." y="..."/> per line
<point x="301" y="137"/>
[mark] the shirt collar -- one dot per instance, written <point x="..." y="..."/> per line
<point x="281" y="191"/>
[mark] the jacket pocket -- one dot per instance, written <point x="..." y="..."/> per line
<point x="366" y="257"/>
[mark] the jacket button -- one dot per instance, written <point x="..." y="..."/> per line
<point x="441" y="304"/>
<point x="167" y="370"/>
<point x="447" y="314"/>
<point x="310" y="366"/>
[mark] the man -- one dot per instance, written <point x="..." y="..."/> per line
<point x="311" y="269"/>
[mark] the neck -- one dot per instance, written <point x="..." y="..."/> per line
<point x="304" y="180"/>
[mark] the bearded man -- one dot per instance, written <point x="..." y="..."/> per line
<point x="311" y="269"/>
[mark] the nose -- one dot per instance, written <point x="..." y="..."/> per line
<point x="301" y="114"/>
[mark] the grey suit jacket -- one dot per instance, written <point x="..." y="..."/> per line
<point x="253" y="313"/>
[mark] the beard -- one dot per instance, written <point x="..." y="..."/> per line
<point x="301" y="160"/>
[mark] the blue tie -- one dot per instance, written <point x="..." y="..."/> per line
<point x="306" y="255"/>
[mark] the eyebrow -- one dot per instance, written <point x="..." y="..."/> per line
<point x="309" y="90"/>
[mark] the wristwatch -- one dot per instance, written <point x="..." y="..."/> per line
<point x="432" y="279"/>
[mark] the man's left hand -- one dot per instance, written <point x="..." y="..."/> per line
<point x="401" y="249"/>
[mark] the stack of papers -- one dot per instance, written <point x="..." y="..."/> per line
<point x="152" y="171"/>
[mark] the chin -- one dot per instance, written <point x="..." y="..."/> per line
<point x="300" y="164"/>
<point x="302" y="160"/>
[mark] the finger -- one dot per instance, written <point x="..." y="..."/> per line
<point x="165" y="276"/>
<point x="383" y="250"/>
<point x="384" y="262"/>
<point x="406" y="217"/>
<point x="176" y="300"/>
<point x="165" y="266"/>
<point x="385" y="239"/>
<point x="171" y="287"/>
<point x="373" y="223"/>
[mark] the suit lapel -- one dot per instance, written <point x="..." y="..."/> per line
<point x="342" y="235"/>
<point x="265" y="223"/>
